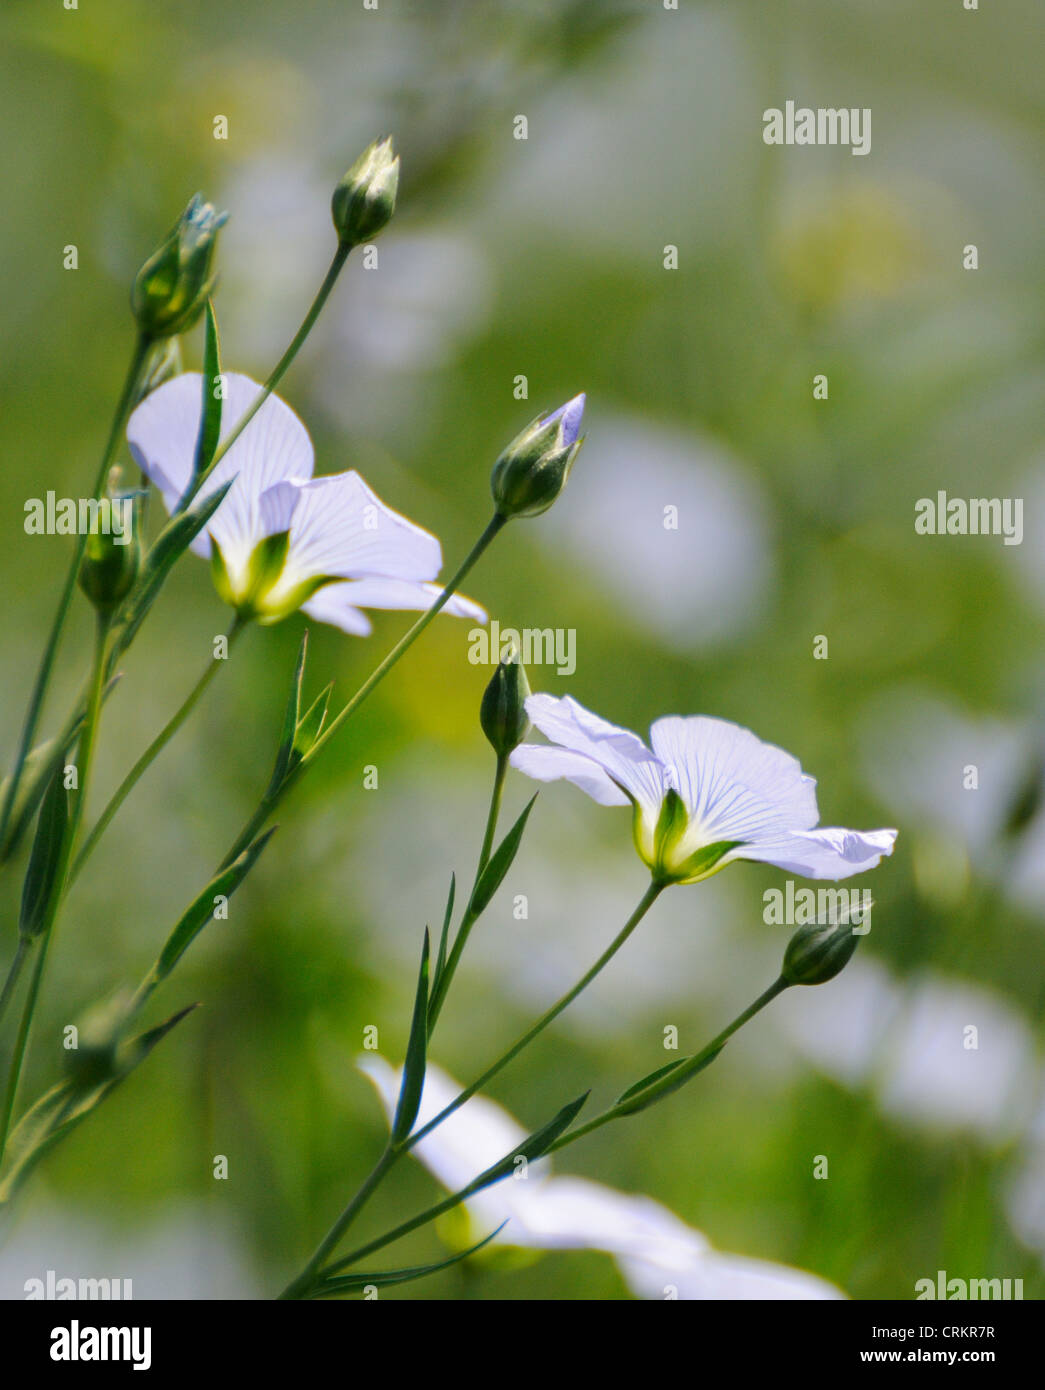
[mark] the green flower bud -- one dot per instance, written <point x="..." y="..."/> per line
<point x="365" y="199"/>
<point x="113" y="553"/>
<point x="819" y="952"/>
<point x="502" y="713"/>
<point x="532" y="471"/>
<point x="176" y="281"/>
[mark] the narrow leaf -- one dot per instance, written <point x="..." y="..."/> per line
<point x="210" y="415"/>
<point x="663" y="1082"/>
<point x="444" y="935"/>
<point x="64" y="1106"/>
<point x="500" y="863"/>
<point x="311" y="723"/>
<point x="46" y="858"/>
<point x="532" y="1148"/>
<point x="416" y="1056"/>
<point x="352" y="1283"/>
<point x="291" y="717"/>
<point x="200" y="912"/>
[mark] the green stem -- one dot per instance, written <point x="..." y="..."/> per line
<point x="272" y="799"/>
<point x="677" y="1078"/>
<point x="84" y="758"/>
<point x="142" y="348"/>
<point x="278" y="372"/>
<point x="14" y="973"/>
<point x="299" y="1287"/>
<point x="455" y="1199"/>
<point x="392" y="1154"/>
<point x="446" y="976"/>
<point x="151" y="753"/>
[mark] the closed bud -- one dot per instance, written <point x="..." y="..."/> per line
<point x="113" y="552"/>
<point x="502" y="713"/>
<point x="365" y="199"/>
<point x="819" y="952"/>
<point x="532" y="471"/>
<point x="176" y="281"/>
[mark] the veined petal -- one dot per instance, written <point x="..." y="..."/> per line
<point x="734" y="786"/>
<point x="341" y="527"/>
<point x="546" y="763"/>
<point x="340" y="603"/>
<point x="827" y="853"/>
<point x="619" y="752"/>
<point x="275" y="446"/>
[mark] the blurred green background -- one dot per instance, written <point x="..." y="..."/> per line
<point x="544" y="258"/>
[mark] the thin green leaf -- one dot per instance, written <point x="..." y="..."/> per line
<point x="200" y="912"/>
<point x="500" y="862"/>
<point x="64" y="1106"/>
<point x="352" y="1283"/>
<point x="530" y="1149"/>
<point x="311" y="723"/>
<point x="662" y="1082"/>
<point x="46" y="858"/>
<point x="444" y="935"/>
<point x="291" y="717"/>
<point x="210" y="415"/>
<point x="416" y="1056"/>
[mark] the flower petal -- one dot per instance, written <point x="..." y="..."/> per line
<point x="341" y="527"/>
<point x="162" y="435"/>
<point x="830" y="852"/>
<point x="339" y="604"/>
<point x="619" y="752"/>
<point x="546" y="763"/>
<point x="735" y="787"/>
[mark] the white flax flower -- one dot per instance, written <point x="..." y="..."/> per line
<point x="707" y="792"/>
<point x="281" y="539"/>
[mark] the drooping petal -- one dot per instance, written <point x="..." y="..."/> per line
<point x="620" y="753"/>
<point x="339" y="604"/>
<point x="275" y="446"/>
<point x="341" y="527"/>
<point x="546" y="763"/>
<point x="734" y="786"/>
<point x="724" y="1278"/>
<point x="830" y="852"/>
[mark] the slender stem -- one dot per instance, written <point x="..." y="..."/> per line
<point x="272" y="799"/>
<point x="84" y="758"/>
<point x="151" y="753"/>
<point x="14" y="973"/>
<point x="455" y="1199"/>
<point x="446" y="976"/>
<point x="687" y="1069"/>
<point x="278" y="372"/>
<point x="142" y="348"/>
<point x="300" y="1286"/>
<point x="650" y="896"/>
<point x="393" y="1153"/>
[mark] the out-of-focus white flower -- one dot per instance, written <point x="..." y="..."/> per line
<point x="709" y="792"/>
<point x="345" y="549"/>
<point x="659" y="1255"/>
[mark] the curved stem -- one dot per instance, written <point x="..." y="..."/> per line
<point x="692" y="1064"/>
<point x="300" y="1286"/>
<point x="278" y="372"/>
<point x="43" y="676"/>
<point x="151" y="753"/>
<point x="446" y="976"/>
<point x="271" y="800"/>
<point x="84" y="759"/>
<point x="21" y="955"/>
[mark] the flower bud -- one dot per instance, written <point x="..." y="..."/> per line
<point x="819" y="952"/>
<point x="113" y="553"/>
<point x="175" y="282"/>
<point x="365" y="199"/>
<point x="502" y="713"/>
<point x="532" y="471"/>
